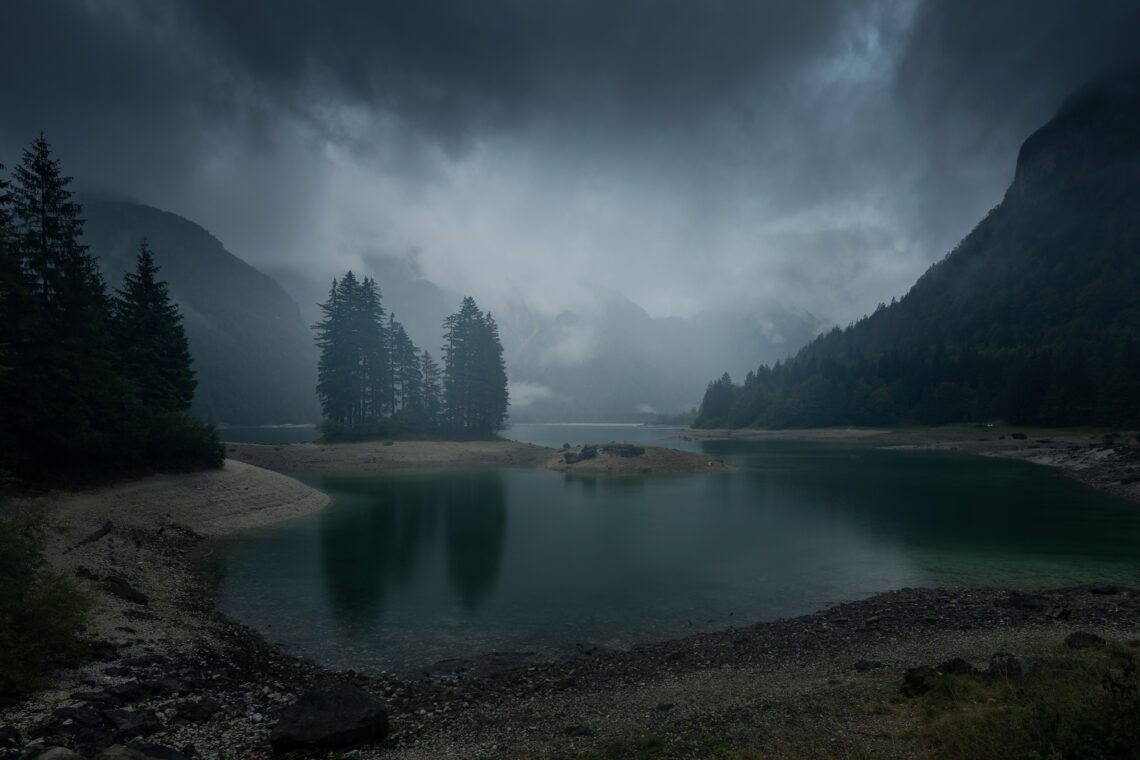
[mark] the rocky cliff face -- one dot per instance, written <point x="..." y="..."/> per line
<point x="1093" y="139"/>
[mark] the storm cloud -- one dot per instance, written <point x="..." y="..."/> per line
<point x="684" y="154"/>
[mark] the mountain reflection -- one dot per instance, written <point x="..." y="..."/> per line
<point x="387" y="526"/>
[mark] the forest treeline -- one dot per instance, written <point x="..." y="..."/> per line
<point x="93" y="384"/>
<point x="1034" y="318"/>
<point x="1068" y="387"/>
<point x="374" y="382"/>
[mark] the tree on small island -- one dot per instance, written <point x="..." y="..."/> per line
<point x="373" y="382"/>
<point x="90" y="387"/>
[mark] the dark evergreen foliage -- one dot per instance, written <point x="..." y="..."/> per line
<point x="373" y="381"/>
<point x="152" y="347"/>
<point x="370" y="379"/>
<point x="431" y="398"/>
<point x="254" y="357"/>
<point x="475" y="375"/>
<point x="70" y="408"/>
<point x="1033" y="318"/>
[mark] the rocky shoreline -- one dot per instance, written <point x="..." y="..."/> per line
<point x="169" y="677"/>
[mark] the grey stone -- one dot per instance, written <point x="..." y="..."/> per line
<point x="330" y="716"/>
<point x="1083" y="640"/>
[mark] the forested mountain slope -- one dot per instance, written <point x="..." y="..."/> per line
<point x="1034" y="317"/>
<point x="254" y="356"/>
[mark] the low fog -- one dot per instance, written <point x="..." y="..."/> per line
<point x="644" y="194"/>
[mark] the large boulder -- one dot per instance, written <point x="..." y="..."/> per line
<point x="330" y="716"/>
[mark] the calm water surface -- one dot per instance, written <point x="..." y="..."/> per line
<point x="270" y="434"/>
<point x="409" y="569"/>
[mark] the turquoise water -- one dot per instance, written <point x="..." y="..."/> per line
<point x="408" y="569"/>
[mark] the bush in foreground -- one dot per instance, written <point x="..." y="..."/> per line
<point x="40" y="609"/>
<point x="1079" y="705"/>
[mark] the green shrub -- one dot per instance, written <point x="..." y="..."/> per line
<point x="175" y="441"/>
<point x="40" y="609"/>
<point x="1081" y="705"/>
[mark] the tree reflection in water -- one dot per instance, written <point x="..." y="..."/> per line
<point x="367" y="552"/>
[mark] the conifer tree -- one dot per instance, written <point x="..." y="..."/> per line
<point x="11" y="288"/>
<point x="406" y="375"/>
<point x="153" y="352"/>
<point x="474" y="376"/>
<point x="69" y="408"/>
<point x="373" y="349"/>
<point x="353" y="371"/>
<point x="431" y="400"/>
<point x="68" y="400"/>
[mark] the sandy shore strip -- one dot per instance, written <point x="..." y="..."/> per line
<point x="374" y="456"/>
<point x="211" y="503"/>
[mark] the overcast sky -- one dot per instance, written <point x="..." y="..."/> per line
<point x="815" y="153"/>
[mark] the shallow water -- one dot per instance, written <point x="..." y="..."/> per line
<point x="408" y="569"/>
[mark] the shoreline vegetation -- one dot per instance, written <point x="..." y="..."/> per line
<point x="819" y="685"/>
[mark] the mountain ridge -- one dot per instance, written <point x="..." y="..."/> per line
<point x="1032" y="317"/>
<point x="254" y="357"/>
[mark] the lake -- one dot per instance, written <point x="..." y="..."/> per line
<point x="410" y="568"/>
<point x="268" y="434"/>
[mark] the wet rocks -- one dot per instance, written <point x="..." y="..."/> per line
<point x="586" y="452"/>
<point x="117" y="586"/>
<point x="1003" y="665"/>
<point x="918" y="681"/>
<point x="1083" y="640"/>
<point x="330" y="716"/>
<point x="196" y="710"/>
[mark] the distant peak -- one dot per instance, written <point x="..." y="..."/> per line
<point x="1093" y="132"/>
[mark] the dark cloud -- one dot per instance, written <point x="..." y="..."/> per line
<point x="451" y="65"/>
<point x="684" y="153"/>
<point x="978" y="77"/>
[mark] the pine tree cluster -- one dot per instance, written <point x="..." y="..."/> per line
<point x="92" y="385"/>
<point x="372" y="381"/>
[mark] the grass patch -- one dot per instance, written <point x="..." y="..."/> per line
<point x="1080" y="704"/>
<point x="40" y="609"/>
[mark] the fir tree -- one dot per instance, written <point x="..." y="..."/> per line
<point x="406" y="375"/>
<point x="431" y="399"/>
<point x="353" y="373"/>
<point x="153" y="351"/>
<point x="68" y="402"/>
<point x="474" y="376"/>
<point x="69" y="408"/>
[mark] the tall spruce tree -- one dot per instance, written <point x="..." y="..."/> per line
<point x="431" y="399"/>
<point x="406" y="375"/>
<point x="353" y="372"/>
<point x="68" y="399"/>
<point x="11" y="289"/>
<point x="69" y="409"/>
<point x="474" y="376"/>
<point x="153" y="352"/>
